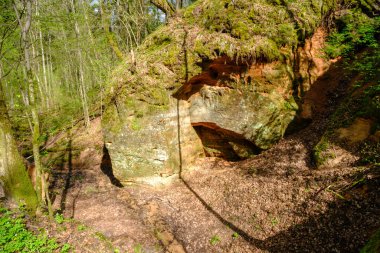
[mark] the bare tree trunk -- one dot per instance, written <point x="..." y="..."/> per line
<point x="179" y="4"/>
<point x="40" y="180"/>
<point x="41" y="88"/>
<point x="49" y="64"/>
<point x="82" y="88"/>
<point x="44" y="72"/>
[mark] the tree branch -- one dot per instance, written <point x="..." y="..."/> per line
<point x="165" y="6"/>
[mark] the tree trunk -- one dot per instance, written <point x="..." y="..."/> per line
<point x="82" y="88"/>
<point x="179" y="4"/>
<point x="42" y="195"/>
<point x="109" y="34"/>
<point x="13" y="175"/>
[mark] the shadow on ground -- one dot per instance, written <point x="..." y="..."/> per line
<point x="345" y="227"/>
<point x="348" y="222"/>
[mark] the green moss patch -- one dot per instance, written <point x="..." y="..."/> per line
<point x="252" y="30"/>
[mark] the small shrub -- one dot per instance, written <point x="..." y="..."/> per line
<point x="274" y="221"/>
<point x="214" y="240"/>
<point x="66" y="248"/>
<point x="235" y="235"/>
<point x="373" y="245"/>
<point x="356" y="31"/>
<point x="59" y="218"/>
<point x="320" y="152"/>
<point x="81" y="227"/>
<point x="138" y="249"/>
<point x="370" y="153"/>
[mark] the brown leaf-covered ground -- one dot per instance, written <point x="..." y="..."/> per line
<point x="275" y="202"/>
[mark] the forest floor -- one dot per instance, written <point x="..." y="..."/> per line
<point x="274" y="202"/>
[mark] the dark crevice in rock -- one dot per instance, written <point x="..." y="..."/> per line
<point x="106" y="167"/>
<point x="218" y="142"/>
<point x="219" y="72"/>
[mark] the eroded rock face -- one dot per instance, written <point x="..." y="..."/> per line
<point x="260" y="119"/>
<point x="239" y="109"/>
<point x="147" y="146"/>
<point x="232" y="109"/>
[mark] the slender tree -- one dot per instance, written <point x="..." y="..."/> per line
<point x="41" y="184"/>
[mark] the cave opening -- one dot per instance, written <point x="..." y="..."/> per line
<point x="225" y="144"/>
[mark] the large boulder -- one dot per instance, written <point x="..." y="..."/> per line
<point x="241" y="108"/>
<point x="219" y="80"/>
<point x="146" y="147"/>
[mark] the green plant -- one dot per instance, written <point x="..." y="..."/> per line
<point x="373" y="245"/>
<point x="235" y="235"/>
<point x="138" y="248"/>
<point x="65" y="248"/>
<point x="135" y="124"/>
<point x="14" y="236"/>
<point x="59" y="218"/>
<point x="370" y="153"/>
<point x="214" y="240"/>
<point x="355" y="31"/>
<point x="274" y="221"/>
<point x="320" y="153"/>
<point x="81" y="227"/>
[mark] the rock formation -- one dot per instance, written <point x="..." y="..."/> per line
<point x="228" y="89"/>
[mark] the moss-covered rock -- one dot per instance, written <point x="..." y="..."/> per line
<point x="259" y="117"/>
<point x="13" y="175"/>
<point x="246" y="48"/>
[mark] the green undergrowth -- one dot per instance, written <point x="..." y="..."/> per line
<point x="356" y="38"/>
<point x="15" y="237"/>
<point x="52" y="122"/>
<point x="321" y="152"/>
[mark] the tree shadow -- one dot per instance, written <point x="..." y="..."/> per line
<point x="345" y="227"/>
<point x="69" y="174"/>
<point x="253" y="241"/>
<point x="242" y="233"/>
<point x="106" y="168"/>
